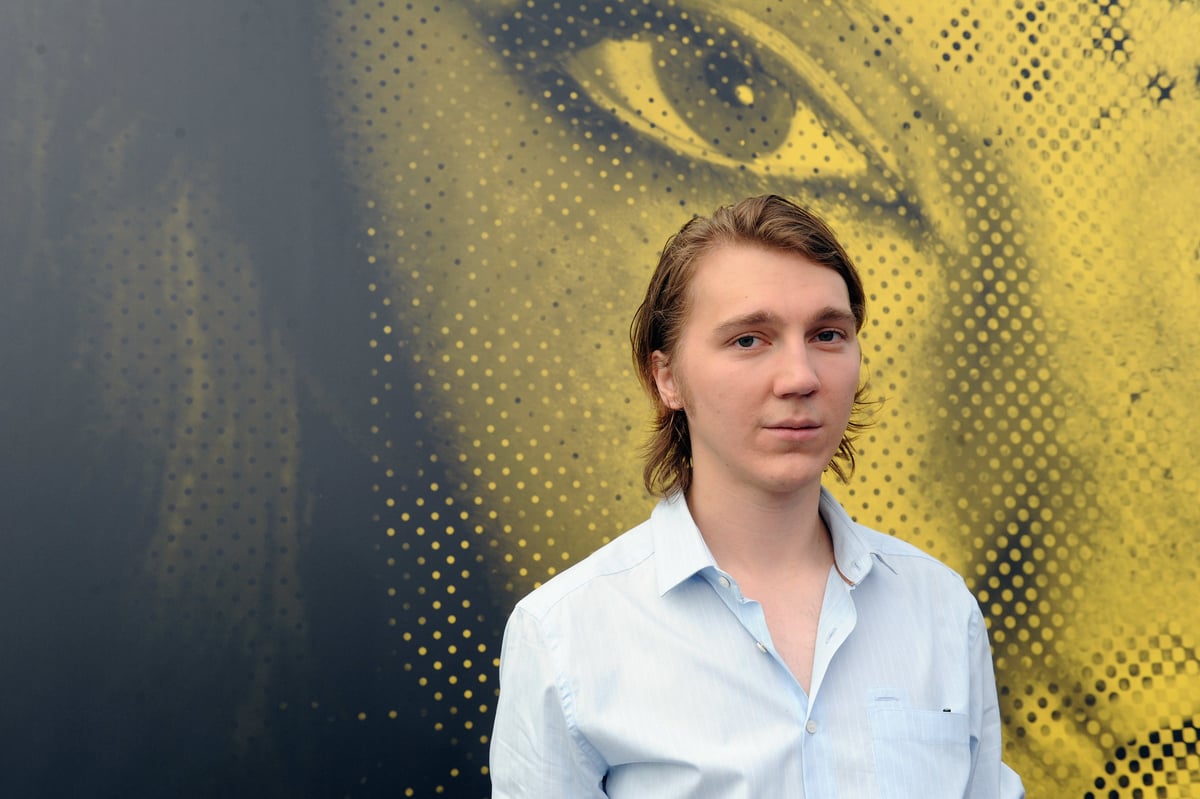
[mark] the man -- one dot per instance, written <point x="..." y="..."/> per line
<point x="749" y="639"/>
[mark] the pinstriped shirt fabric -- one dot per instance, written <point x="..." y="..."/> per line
<point x="642" y="671"/>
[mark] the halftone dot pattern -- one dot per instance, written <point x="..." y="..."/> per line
<point x="204" y="394"/>
<point x="520" y="164"/>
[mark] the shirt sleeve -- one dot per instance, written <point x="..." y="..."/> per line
<point x="991" y="778"/>
<point x="536" y="753"/>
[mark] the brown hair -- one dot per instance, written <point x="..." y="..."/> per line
<point x="768" y="221"/>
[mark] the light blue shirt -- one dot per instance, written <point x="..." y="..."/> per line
<point x="643" y="672"/>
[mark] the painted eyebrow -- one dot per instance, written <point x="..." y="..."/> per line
<point x="827" y="315"/>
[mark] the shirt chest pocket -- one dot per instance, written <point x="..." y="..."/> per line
<point x="920" y="753"/>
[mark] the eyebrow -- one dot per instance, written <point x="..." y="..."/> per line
<point x="827" y="315"/>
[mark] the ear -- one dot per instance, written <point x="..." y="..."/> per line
<point x="665" y="382"/>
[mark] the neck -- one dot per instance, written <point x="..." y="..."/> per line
<point x="762" y="534"/>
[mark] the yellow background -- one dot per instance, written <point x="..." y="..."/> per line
<point x="316" y="358"/>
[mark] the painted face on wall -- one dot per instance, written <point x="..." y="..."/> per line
<point x="519" y="166"/>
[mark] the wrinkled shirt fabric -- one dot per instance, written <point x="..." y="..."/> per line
<point x="643" y="671"/>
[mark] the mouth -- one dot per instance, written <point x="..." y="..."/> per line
<point x="794" y="424"/>
<point x="800" y="430"/>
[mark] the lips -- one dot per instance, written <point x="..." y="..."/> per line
<point x="794" y="424"/>
<point x="795" y="431"/>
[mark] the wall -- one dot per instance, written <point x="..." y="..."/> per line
<point x="315" y="359"/>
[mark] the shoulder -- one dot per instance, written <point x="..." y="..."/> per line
<point x="901" y="553"/>
<point x="863" y="553"/>
<point x="619" y="562"/>
<point x="901" y="567"/>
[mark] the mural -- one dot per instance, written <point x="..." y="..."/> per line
<point x="315" y="355"/>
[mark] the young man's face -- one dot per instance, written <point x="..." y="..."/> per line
<point x="766" y="369"/>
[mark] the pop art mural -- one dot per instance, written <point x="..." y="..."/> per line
<point x="316" y="355"/>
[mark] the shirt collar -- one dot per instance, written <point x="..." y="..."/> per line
<point x="680" y="551"/>
<point x="852" y="552"/>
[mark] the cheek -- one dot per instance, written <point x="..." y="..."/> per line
<point x="845" y="381"/>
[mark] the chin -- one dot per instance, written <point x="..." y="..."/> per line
<point x="791" y="483"/>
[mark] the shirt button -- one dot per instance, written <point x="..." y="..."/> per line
<point x="811" y="726"/>
<point x="724" y="582"/>
<point x="761" y="646"/>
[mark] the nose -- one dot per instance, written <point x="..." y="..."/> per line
<point x="795" y="374"/>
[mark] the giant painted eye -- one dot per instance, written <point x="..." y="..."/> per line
<point x="714" y="88"/>
<point x="731" y="91"/>
<point x="715" y="103"/>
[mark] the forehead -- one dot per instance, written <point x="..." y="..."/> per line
<point x="730" y="276"/>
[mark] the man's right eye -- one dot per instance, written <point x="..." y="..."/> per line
<point x="745" y="342"/>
